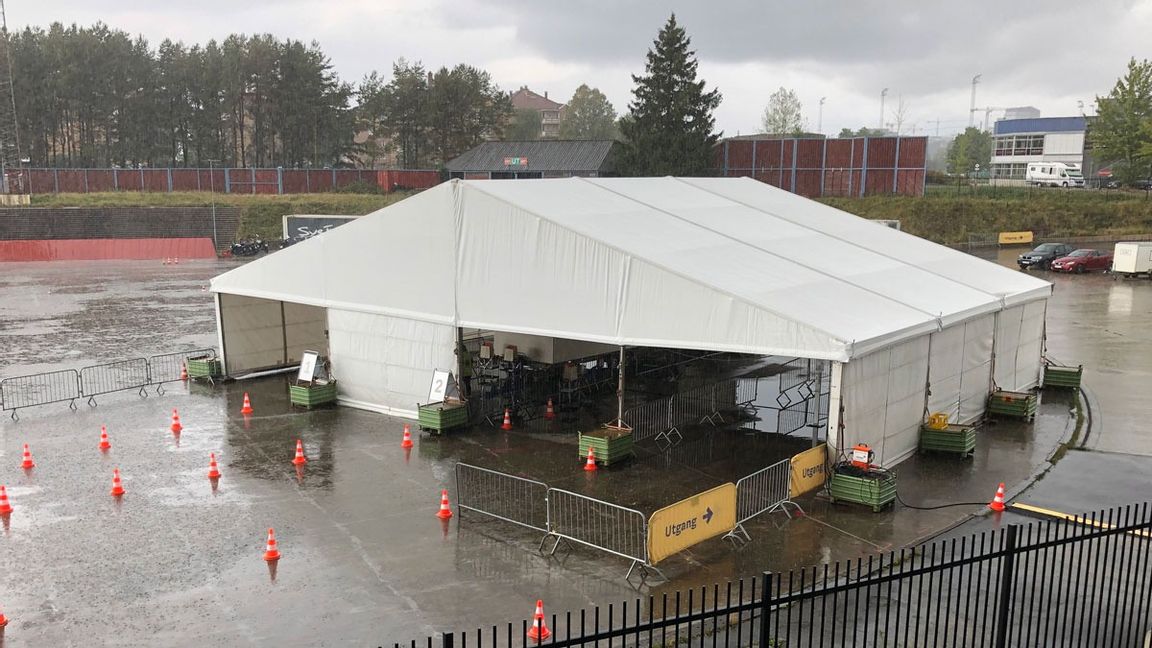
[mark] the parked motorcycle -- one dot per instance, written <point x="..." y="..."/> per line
<point x="249" y="247"/>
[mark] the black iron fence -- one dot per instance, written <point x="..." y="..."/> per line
<point x="94" y="380"/>
<point x="1084" y="581"/>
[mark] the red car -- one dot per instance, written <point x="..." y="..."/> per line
<point x="1083" y="261"/>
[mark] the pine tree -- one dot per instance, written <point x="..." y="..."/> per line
<point x="669" y="130"/>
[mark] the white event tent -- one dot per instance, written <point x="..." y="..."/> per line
<point x="721" y="264"/>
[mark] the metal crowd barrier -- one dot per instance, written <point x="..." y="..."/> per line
<point x="166" y="367"/>
<point x="661" y="418"/>
<point x="600" y="525"/>
<point x="40" y="389"/>
<point x="502" y="496"/>
<point x="113" y="377"/>
<point x="764" y="491"/>
<point x="94" y="380"/>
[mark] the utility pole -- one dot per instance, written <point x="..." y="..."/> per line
<point x="212" y="190"/>
<point x="972" y="107"/>
<point x="820" y="116"/>
<point x="883" y="93"/>
<point x="937" y="122"/>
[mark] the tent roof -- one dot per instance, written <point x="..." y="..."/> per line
<point x="727" y="264"/>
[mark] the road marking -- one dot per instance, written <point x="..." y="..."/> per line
<point x="1077" y="519"/>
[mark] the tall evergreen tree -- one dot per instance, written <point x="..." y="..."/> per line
<point x="669" y="130"/>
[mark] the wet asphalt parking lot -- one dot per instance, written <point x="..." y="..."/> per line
<point x="366" y="561"/>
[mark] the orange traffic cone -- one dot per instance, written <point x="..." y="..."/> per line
<point x="167" y="260"/>
<point x="407" y="442"/>
<point x="549" y="413"/>
<point x="176" y="427"/>
<point x="213" y="470"/>
<point x="27" y="464"/>
<point x="271" y="553"/>
<point x="539" y="630"/>
<point x="117" y="487"/>
<point x="299" y="459"/>
<point x="247" y="409"/>
<point x="445" y="509"/>
<point x="105" y="444"/>
<point x="5" y="507"/>
<point x="183" y="371"/>
<point x="177" y="261"/>
<point x="3" y="621"/>
<point x="507" y="419"/>
<point x="997" y="503"/>
<point x="590" y="465"/>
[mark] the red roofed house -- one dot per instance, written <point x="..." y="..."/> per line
<point x="550" y="111"/>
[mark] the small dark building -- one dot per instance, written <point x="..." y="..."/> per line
<point x="536" y="159"/>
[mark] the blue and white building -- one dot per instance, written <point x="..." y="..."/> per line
<point x="1016" y="142"/>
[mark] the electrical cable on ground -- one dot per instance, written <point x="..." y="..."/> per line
<point x="933" y="508"/>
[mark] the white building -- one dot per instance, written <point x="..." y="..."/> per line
<point x="1016" y="142"/>
<point x="716" y="264"/>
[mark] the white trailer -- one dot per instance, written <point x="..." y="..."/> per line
<point x="1054" y="174"/>
<point x="1132" y="259"/>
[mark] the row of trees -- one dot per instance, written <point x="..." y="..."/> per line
<point x="95" y="97"/>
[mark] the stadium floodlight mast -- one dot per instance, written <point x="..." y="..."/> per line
<point x="820" y="116"/>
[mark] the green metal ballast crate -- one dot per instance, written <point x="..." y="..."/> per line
<point x="609" y="444"/>
<point x="1063" y="377"/>
<point x="958" y="439"/>
<point x="442" y="416"/>
<point x="313" y="395"/>
<point x="204" y="367"/>
<point x="1020" y="405"/>
<point x="874" y="487"/>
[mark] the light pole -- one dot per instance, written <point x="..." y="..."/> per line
<point x="972" y="108"/>
<point x="212" y="190"/>
<point x="883" y="93"/>
<point x="820" y="116"/>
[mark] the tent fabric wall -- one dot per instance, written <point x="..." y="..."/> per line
<point x="1019" y="346"/>
<point x="253" y="333"/>
<point x="263" y="333"/>
<point x="959" y="375"/>
<point x="305" y="329"/>
<point x="883" y="398"/>
<point x="385" y="363"/>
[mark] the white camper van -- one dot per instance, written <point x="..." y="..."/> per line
<point x="1054" y="174"/>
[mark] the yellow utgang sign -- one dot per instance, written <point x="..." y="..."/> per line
<point x="705" y="515"/>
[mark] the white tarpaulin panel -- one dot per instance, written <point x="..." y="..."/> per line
<point x="1019" y="346"/>
<point x="613" y="260"/>
<point x="304" y="328"/>
<point x="1030" y="350"/>
<point x="976" y="379"/>
<point x="385" y="363"/>
<point x="253" y="333"/>
<point x="1006" y="345"/>
<point x="960" y="369"/>
<point x="883" y="398"/>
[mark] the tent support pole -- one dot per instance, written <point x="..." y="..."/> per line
<point x="835" y="410"/>
<point x="619" y="422"/>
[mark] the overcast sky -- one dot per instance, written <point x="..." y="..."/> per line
<point x="1049" y="55"/>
